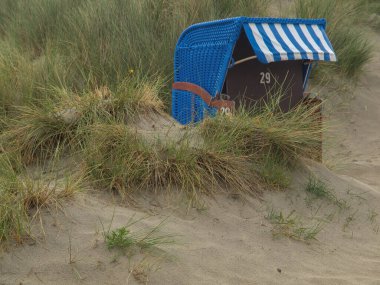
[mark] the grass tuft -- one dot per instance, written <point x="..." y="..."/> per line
<point x="37" y="130"/>
<point x="290" y="226"/>
<point x="274" y="173"/>
<point x="124" y="238"/>
<point x="266" y="130"/>
<point x="319" y="189"/>
<point x="121" y="159"/>
<point x="271" y="139"/>
<point x="22" y="197"/>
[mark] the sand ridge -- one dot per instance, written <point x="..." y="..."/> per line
<point x="228" y="243"/>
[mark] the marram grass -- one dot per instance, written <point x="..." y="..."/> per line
<point x="37" y="130"/>
<point x="22" y="197"/>
<point x="75" y="73"/>
<point x="343" y="17"/>
<point x="266" y="130"/>
<point x="122" y="160"/>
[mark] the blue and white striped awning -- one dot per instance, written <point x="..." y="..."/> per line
<point x="305" y="40"/>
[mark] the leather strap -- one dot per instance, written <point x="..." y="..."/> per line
<point x="223" y="103"/>
<point x="198" y="90"/>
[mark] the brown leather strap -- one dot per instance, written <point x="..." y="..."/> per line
<point x="193" y="88"/>
<point x="223" y="103"/>
<point x="198" y="90"/>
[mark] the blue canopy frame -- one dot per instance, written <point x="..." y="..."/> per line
<point x="204" y="51"/>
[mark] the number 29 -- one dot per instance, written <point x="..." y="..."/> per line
<point x="264" y="77"/>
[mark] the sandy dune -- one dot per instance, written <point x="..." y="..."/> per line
<point x="358" y="125"/>
<point x="230" y="241"/>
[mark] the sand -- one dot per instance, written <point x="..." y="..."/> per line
<point x="358" y="126"/>
<point x="228" y="240"/>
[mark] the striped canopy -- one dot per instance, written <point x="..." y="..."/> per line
<point x="273" y="41"/>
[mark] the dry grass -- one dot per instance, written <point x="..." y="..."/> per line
<point x="266" y="130"/>
<point x="36" y="131"/>
<point x="81" y="45"/>
<point x="23" y="196"/>
<point x="240" y="153"/>
<point x="290" y="226"/>
<point x="120" y="159"/>
<point x="272" y="140"/>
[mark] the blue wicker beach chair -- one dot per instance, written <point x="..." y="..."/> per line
<point x="243" y="58"/>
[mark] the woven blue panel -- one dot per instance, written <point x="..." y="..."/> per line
<point x="202" y="56"/>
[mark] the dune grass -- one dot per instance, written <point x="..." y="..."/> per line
<point x="126" y="238"/>
<point x="37" y="130"/>
<point x="270" y="139"/>
<point x="319" y="189"/>
<point x="274" y="172"/>
<point x="13" y="215"/>
<point x="81" y="45"/>
<point x="290" y="226"/>
<point x="146" y="241"/>
<point x="23" y="195"/>
<point x="373" y="11"/>
<point x="243" y="153"/>
<point x="74" y="75"/>
<point x="120" y="159"/>
<point x="343" y="17"/>
<point x="267" y="130"/>
<point x="36" y="133"/>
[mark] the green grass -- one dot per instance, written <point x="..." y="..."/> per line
<point x="290" y="226"/>
<point x="37" y="130"/>
<point x="266" y="129"/>
<point x="81" y="45"/>
<point x="271" y="139"/>
<point x="22" y="197"/>
<point x="274" y="173"/>
<point x="75" y="75"/>
<point x="121" y="159"/>
<point x="319" y="189"/>
<point x="245" y="152"/>
<point x="352" y="48"/>
<point x="126" y="239"/>
<point x="13" y="215"/>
